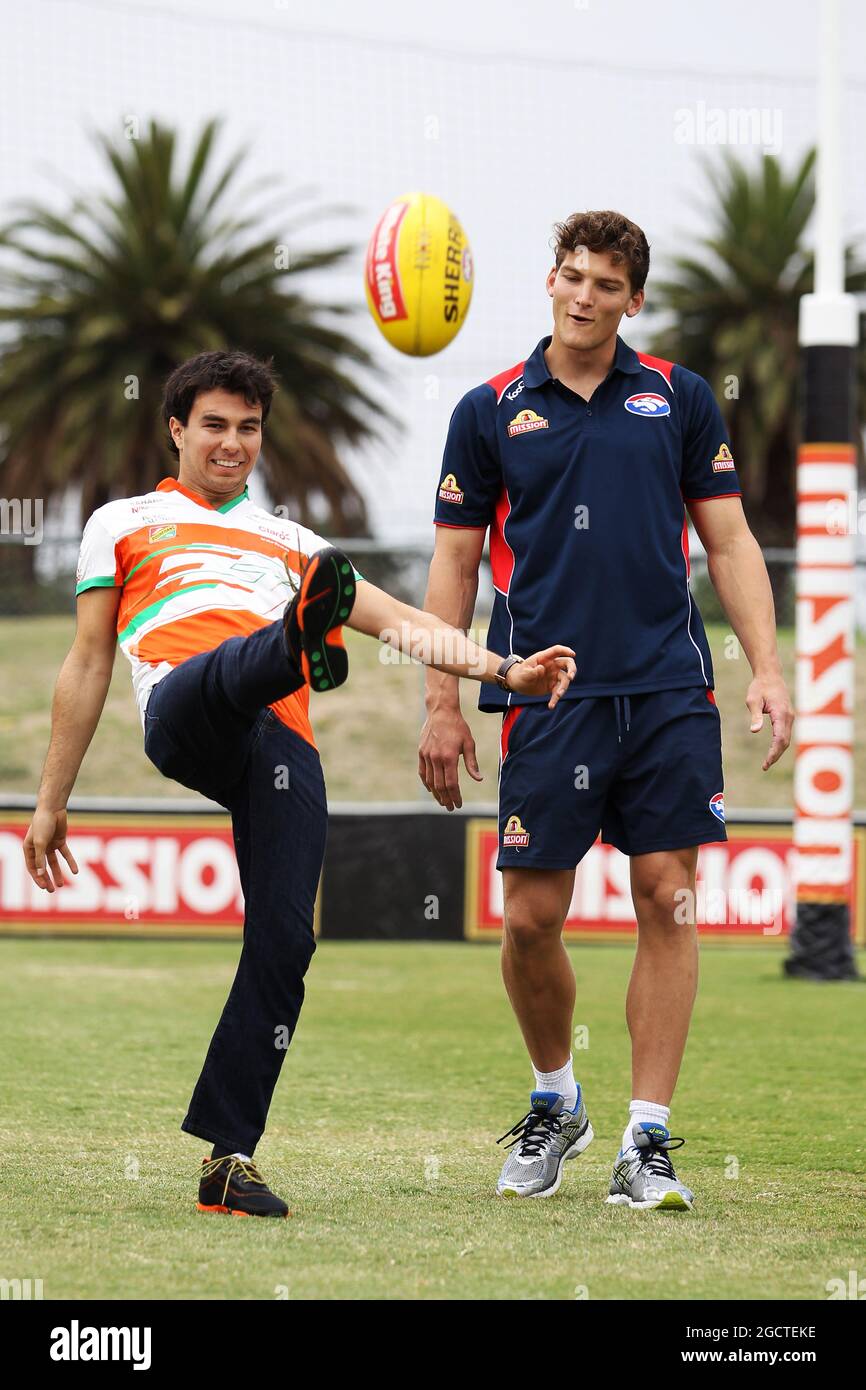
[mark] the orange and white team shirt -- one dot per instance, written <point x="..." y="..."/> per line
<point x="193" y="575"/>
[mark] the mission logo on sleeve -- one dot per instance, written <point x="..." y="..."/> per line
<point x="450" y="490"/>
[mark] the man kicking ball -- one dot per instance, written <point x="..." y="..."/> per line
<point x="582" y="461"/>
<point x="229" y="615"/>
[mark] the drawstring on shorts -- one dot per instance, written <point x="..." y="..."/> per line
<point x="618" y="702"/>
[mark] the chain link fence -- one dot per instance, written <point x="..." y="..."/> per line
<point x="40" y="578"/>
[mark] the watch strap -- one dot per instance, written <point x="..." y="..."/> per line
<point x="503" y="669"/>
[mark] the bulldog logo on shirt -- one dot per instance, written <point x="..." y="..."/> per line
<point x="649" y="404"/>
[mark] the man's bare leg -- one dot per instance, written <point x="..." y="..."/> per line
<point x="540" y="984"/>
<point x="664" y="979"/>
<point x="659" y="1003"/>
<point x="536" y="970"/>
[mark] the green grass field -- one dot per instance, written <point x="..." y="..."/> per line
<point x="367" y="731"/>
<point x="405" y="1068"/>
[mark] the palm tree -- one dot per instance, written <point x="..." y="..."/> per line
<point x="733" y="306"/>
<point x="106" y="299"/>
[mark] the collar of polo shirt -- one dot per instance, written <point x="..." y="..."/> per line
<point x="536" y="373"/>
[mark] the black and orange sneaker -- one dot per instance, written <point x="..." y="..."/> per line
<point x="313" y="619"/>
<point x="235" y="1187"/>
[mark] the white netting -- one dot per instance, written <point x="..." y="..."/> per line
<point x="512" y="142"/>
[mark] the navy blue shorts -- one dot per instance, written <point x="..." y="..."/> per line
<point x="645" y="770"/>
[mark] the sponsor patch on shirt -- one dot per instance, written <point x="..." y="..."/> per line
<point x="723" y="460"/>
<point x="514" y="836"/>
<point x="450" y="491"/>
<point x="162" y="533"/>
<point x="648" y="403"/>
<point x="526" y="420"/>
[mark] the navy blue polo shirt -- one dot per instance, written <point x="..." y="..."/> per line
<point x="585" y="501"/>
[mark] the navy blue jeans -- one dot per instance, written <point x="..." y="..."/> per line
<point x="208" y="726"/>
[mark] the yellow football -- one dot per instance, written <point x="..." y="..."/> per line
<point x="418" y="274"/>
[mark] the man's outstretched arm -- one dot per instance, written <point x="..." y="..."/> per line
<point x="79" y="697"/>
<point x="426" y="638"/>
<point x="739" y="576"/>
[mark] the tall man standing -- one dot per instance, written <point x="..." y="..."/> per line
<point x="582" y="460"/>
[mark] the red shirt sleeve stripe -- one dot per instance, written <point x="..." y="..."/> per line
<point x="503" y="379"/>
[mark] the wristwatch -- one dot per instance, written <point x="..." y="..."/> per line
<point x="504" y="667"/>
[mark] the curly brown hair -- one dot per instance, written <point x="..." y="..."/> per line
<point x="237" y="372"/>
<point x="605" y="231"/>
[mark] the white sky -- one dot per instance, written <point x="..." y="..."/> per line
<point x="537" y="110"/>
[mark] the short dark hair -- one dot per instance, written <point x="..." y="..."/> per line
<point x="605" y="231"/>
<point x="236" y="372"/>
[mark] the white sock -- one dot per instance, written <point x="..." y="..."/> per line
<point x="246" y="1157"/>
<point x="562" y="1081"/>
<point x="644" y="1110"/>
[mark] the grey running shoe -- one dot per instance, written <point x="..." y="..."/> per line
<point x="643" y="1175"/>
<point x="544" y="1139"/>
